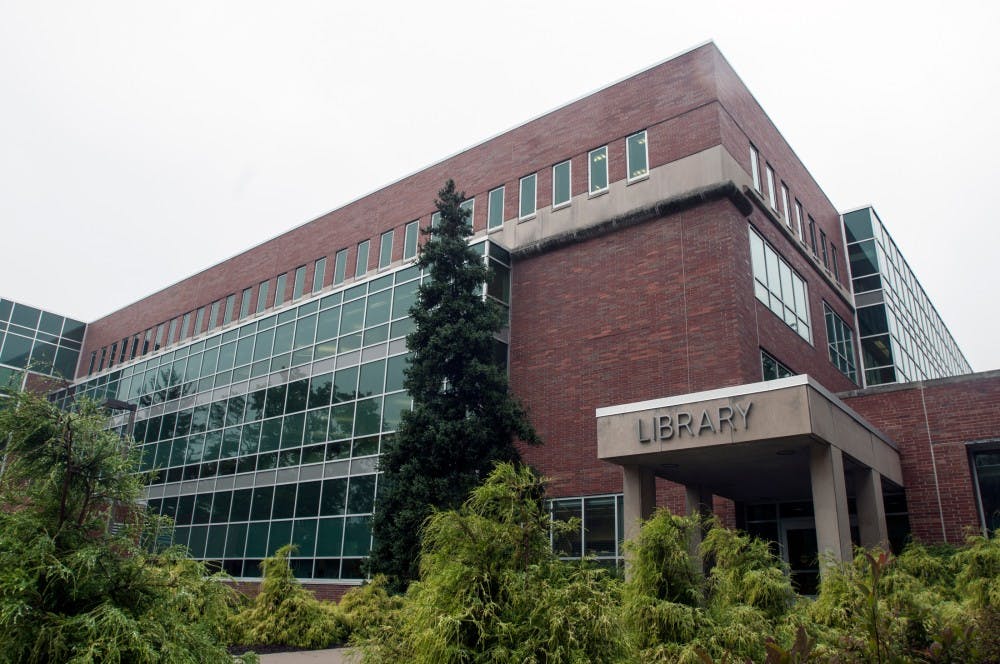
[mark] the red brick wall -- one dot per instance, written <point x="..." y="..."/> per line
<point x="933" y="423"/>
<point x="662" y="308"/>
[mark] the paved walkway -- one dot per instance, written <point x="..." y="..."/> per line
<point x="334" y="656"/>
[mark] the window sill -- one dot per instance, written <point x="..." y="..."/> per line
<point x="528" y="218"/>
<point x="595" y="194"/>
<point x="562" y="205"/>
<point x="635" y="180"/>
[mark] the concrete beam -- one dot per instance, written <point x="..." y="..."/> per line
<point x="871" y="509"/>
<point x="829" y="490"/>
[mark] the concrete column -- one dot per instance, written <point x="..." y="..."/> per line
<point x="639" y="486"/>
<point x="871" y="509"/>
<point x="829" y="490"/>
<point x="697" y="501"/>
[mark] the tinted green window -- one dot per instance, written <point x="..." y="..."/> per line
<point x="362" y="259"/>
<point x="250" y="439"/>
<point x="220" y="507"/>
<point x="280" y="535"/>
<point x="317" y="424"/>
<point x="283" y="335"/>
<point x="275" y="404"/>
<point x="16" y="351"/>
<point x="341" y="421"/>
<point x="598" y="169"/>
<point x="395" y="370"/>
<point x="305" y="331"/>
<point x="307" y="501"/>
<point x="236" y="540"/>
<point x="298" y="393"/>
<point x="527" y="197"/>
<point x="244" y="351"/>
<point x="256" y="541"/>
<point x="234" y="411"/>
<point x="241" y="505"/>
<point x="284" y="501"/>
<point x="213" y="445"/>
<point x="494" y="213"/>
<point x="404" y="298"/>
<point x="328" y="324"/>
<point x="279" y="289"/>
<point x="202" y="508"/>
<point x="395" y="405"/>
<point x="195" y="449"/>
<point x="196" y="542"/>
<point x="385" y="249"/>
<point x="368" y="419"/>
<point x="262" y="295"/>
<point x="270" y="434"/>
<point x="255" y="406"/>
<point x="329" y="537"/>
<point x="378" y="308"/>
<point x="261" y="508"/>
<point x="340" y="267"/>
<point x="320" y="390"/>
<point x="561" y="184"/>
<point x="292" y="429"/>
<point x="319" y="274"/>
<point x="372" y="378"/>
<point x="410" y="240"/>
<point x="357" y="536"/>
<point x="304" y="537"/>
<point x="345" y="384"/>
<point x="185" y="510"/>
<point x="361" y="494"/>
<point x="231" y="442"/>
<point x="334" y="497"/>
<point x="352" y="317"/>
<point x="638" y="162"/>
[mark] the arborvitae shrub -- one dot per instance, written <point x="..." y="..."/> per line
<point x="286" y="614"/>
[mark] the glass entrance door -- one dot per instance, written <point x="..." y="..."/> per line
<point x="798" y="547"/>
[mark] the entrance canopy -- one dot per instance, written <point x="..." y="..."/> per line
<point x="787" y="439"/>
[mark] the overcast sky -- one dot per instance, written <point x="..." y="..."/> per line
<point x="141" y="142"/>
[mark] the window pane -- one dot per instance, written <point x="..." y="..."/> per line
<point x="300" y="282"/>
<point x="470" y="207"/>
<point x="262" y="295"/>
<point x="494" y="217"/>
<point x="362" y="263"/>
<point x="638" y="162"/>
<point x="340" y="267"/>
<point x="319" y="274"/>
<point x="599" y="170"/>
<point x="599" y="526"/>
<point x="279" y="289"/>
<point x="528" y="196"/>
<point x="561" y="184"/>
<point x="410" y="240"/>
<point x="385" y="249"/>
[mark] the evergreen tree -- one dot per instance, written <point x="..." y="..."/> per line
<point x="73" y="589"/>
<point x="464" y="418"/>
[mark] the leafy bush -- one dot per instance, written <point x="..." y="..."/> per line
<point x="73" y="589"/>
<point x="491" y="590"/>
<point x="365" y="608"/>
<point x="286" y="614"/>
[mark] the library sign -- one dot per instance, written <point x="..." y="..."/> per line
<point x="680" y="422"/>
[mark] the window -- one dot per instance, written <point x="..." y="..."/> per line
<point x="798" y="221"/>
<point x="299" y="285"/>
<point x="245" y="302"/>
<point x="527" y="207"/>
<point x="637" y="156"/>
<point x="784" y="205"/>
<point x="385" y="249"/>
<point x="135" y="346"/>
<point x="104" y="355"/>
<point x="410" y="239"/>
<point x="822" y="244"/>
<point x="149" y="336"/>
<point x="494" y="212"/>
<point x="159" y="335"/>
<point x="470" y="207"/>
<point x="362" y="263"/>
<point x="772" y="369"/>
<point x="171" y="335"/>
<point x="227" y="317"/>
<point x="199" y="320"/>
<point x="435" y="219"/>
<point x="840" y="340"/>
<point x="755" y="167"/>
<point x="600" y="530"/>
<point x="986" y="466"/>
<point x="561" y="187"/>
<point x="114" y="352"/>
<point x="185" y="331"/>
<point x="812" y="234"/>
<point x="771" y="198"/>
<point x="340" y="266"/>
<point x="319" y="274"/>
<point x="279" y="289"/>
<point x="121" y="358"/>
<point x="262" y="295"/>
<point x="598" y="160"/>
<point x="833" y="260"/>
<point x="778" y="286"/>
<point x="213" y="321"/>
<point x="93" y="360"/>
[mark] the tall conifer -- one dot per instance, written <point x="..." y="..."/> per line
<point x="464" y="418"/>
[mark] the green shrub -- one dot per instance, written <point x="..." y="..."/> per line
<point x="368" y="607"/>
<point x="286" y="614"/>
<point x="491" y="590"/>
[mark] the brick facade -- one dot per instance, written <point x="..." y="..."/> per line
<point x="936" y="423"/>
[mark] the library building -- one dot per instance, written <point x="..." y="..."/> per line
<point x="692" y="324"/>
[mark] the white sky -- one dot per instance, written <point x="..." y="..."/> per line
<point x="143" y="141"/>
